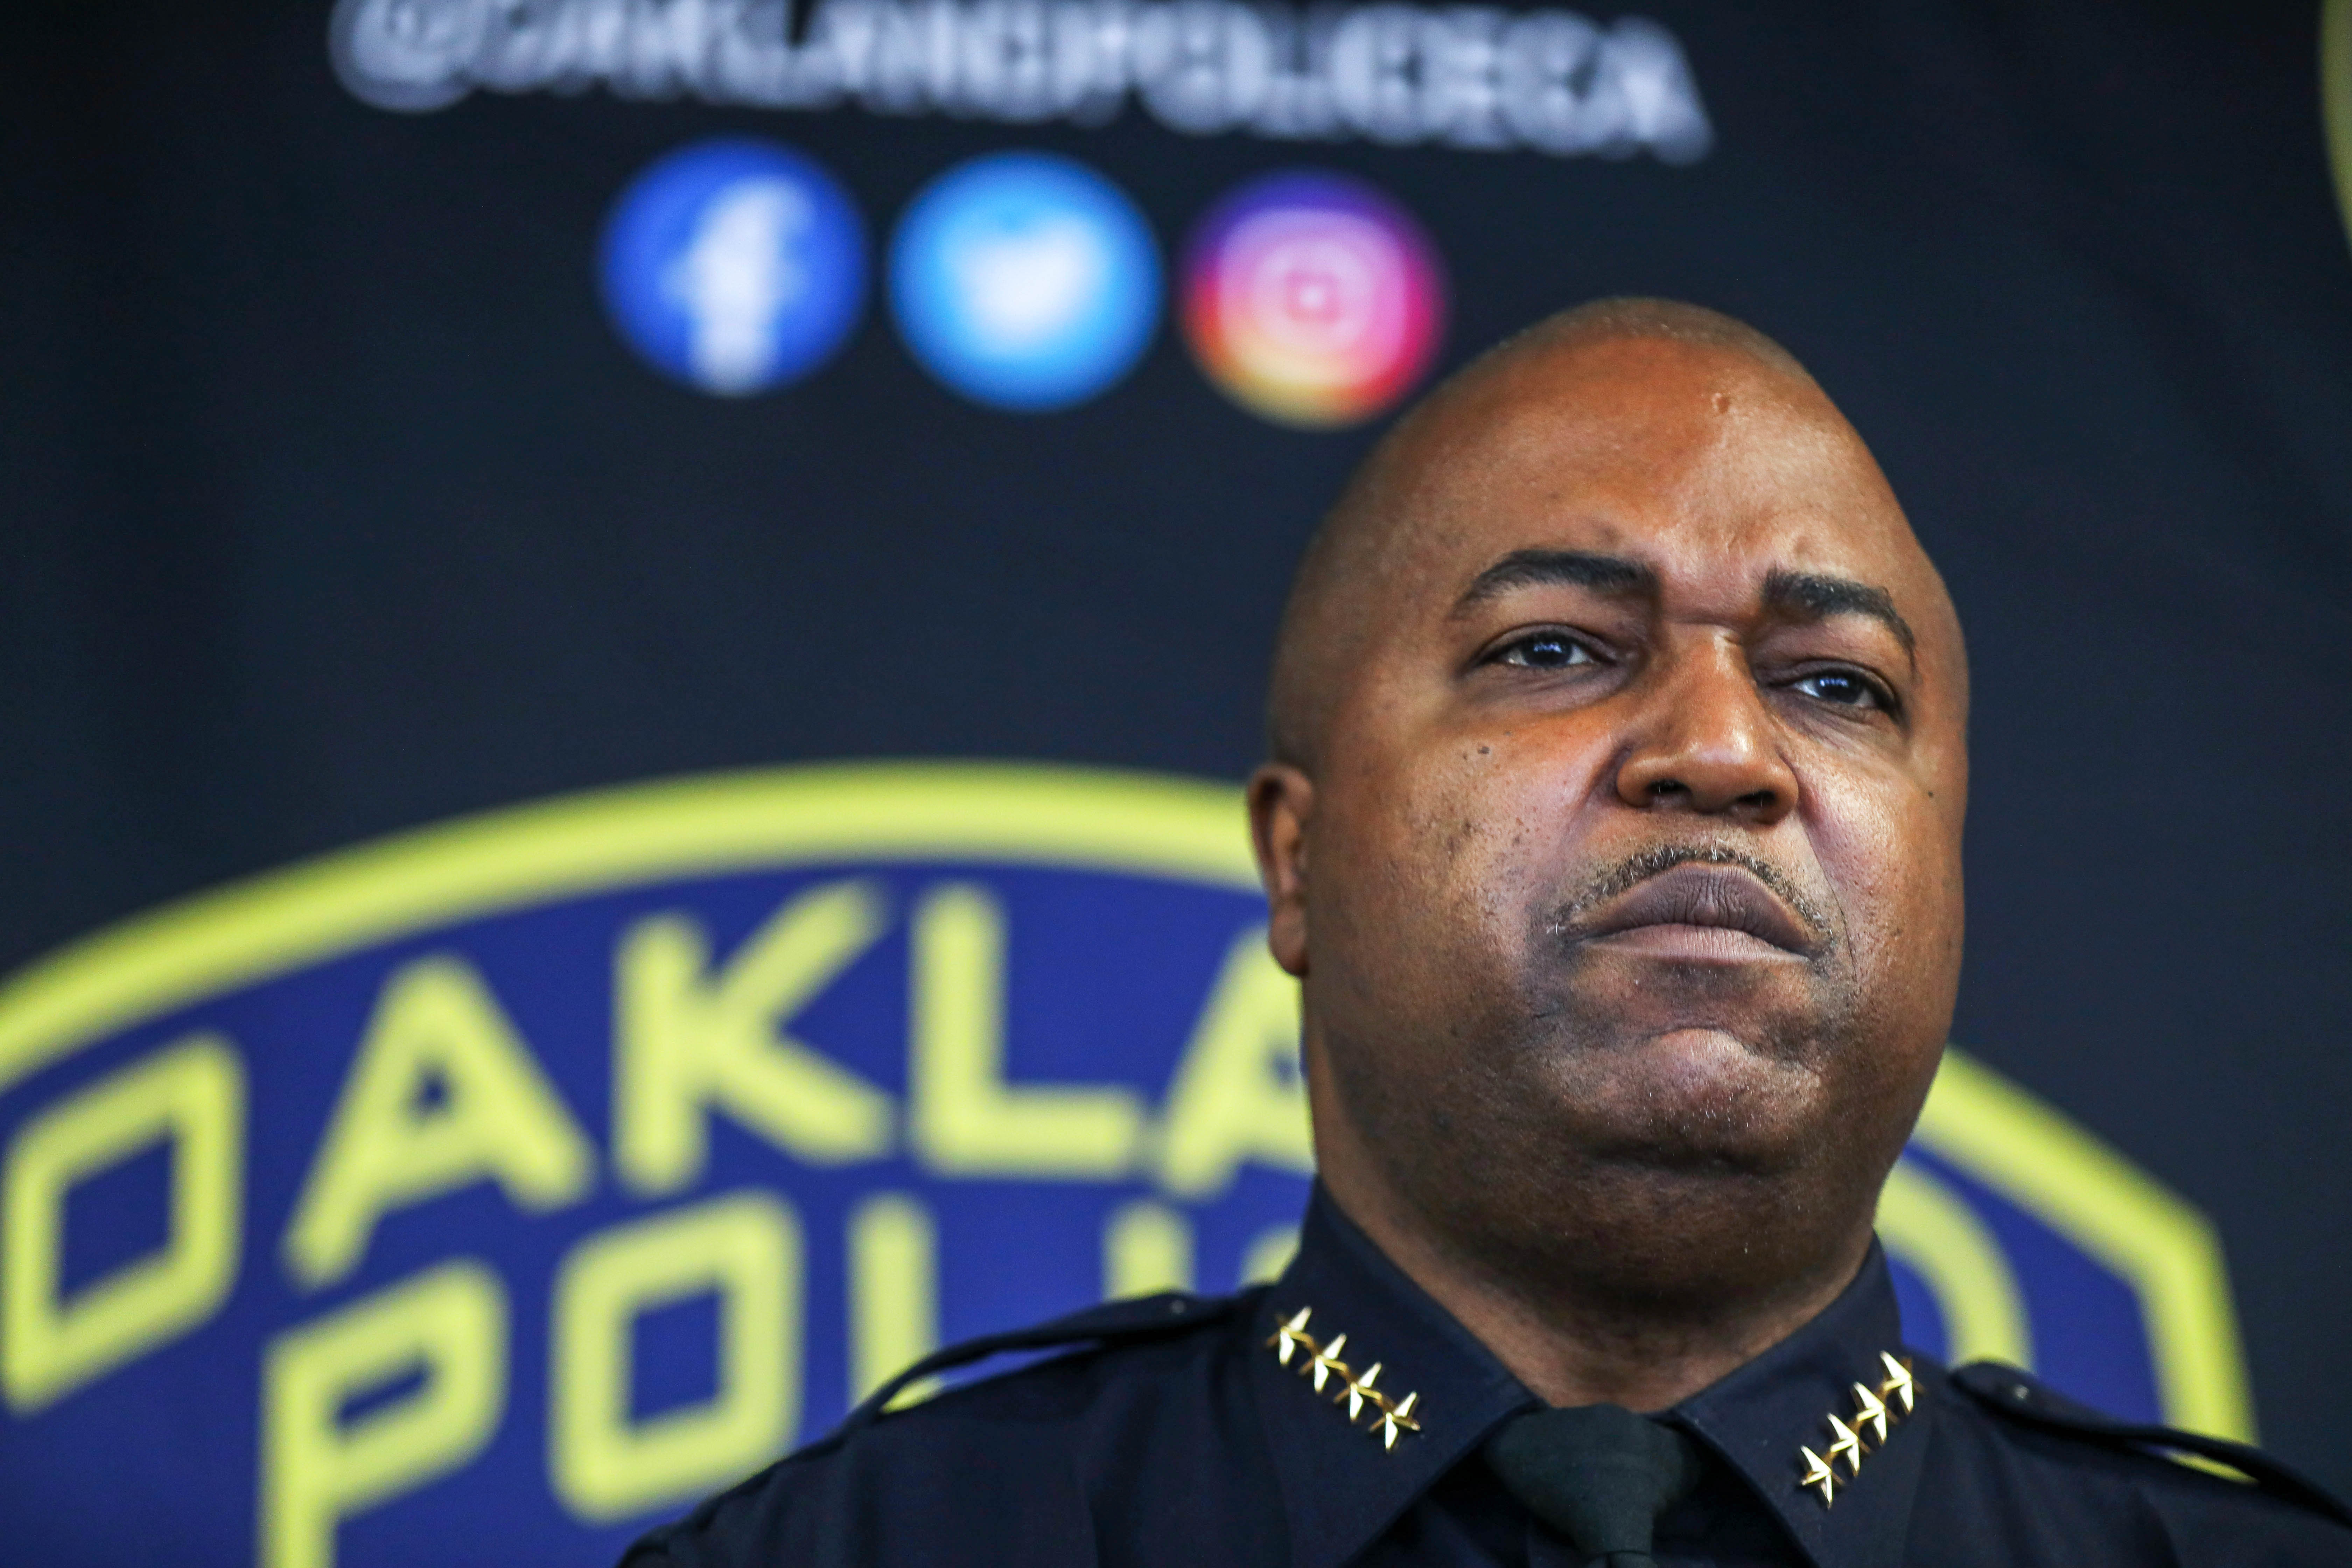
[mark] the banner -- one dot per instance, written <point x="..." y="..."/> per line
<point x="498" y="1189"/>
<point x="427" y="422"/>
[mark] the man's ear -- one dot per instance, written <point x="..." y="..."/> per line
<point x="1281" y="801"/>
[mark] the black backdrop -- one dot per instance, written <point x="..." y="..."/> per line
<point x="330" y="504"/>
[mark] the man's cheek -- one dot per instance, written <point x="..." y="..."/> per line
<point x="1916" y="898"/>
<point x="1865" y="841"/>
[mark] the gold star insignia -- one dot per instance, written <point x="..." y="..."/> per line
<point x="1395" y="1419"/>
<point x="1898" y="1382"/>
<point x="1873" y="1414"/>
<point x="1327" y="1362"/>
<point x="1389" y="1417"/>
<point x="1289" y="1336"/>
<point x="1848" y="1445"/>
<point x="1819" y="1474"/>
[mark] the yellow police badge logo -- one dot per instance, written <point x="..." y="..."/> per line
<point x="547" y="1170"/>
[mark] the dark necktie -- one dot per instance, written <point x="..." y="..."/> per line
<point x="1598" y="1474"/>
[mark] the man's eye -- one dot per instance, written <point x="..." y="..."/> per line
<point x="1841" y="687"/>
<point x="1546" y="650"/>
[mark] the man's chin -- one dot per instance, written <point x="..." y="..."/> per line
<point x="1696" y="1098"/>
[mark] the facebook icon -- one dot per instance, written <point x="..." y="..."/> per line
<point x="735" y="266"/>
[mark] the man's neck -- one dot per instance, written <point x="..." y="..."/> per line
<point x="1575" y="1347"/>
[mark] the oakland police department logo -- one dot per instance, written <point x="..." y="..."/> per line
<point x="521" y="1180"/>
<point x="734" y="266"/>
<point x="1024" y="281"/>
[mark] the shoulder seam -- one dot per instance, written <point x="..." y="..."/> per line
<point x="1160" y="1316"/>
<point x="2017" y="1396"/>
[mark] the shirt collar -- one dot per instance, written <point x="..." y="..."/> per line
<point x="1799" y="1401"/>
<point x="1342" y="1482"/>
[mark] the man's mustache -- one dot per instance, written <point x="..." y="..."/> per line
<point x="1613" y="881"/>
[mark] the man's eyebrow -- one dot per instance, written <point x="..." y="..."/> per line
<point x="1569" y="568"/>
<point x="1806" y="595"/>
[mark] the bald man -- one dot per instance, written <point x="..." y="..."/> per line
<point x="1612" y="825"/>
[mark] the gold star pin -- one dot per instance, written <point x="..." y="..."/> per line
<point x="1819" y="1474"/>
<point x="1391" y="1418"/>
<point x="1289" y="1336"/>
<point x="1397" y="1417"/>
<point x="1872" y="1416"/>
<point x="1847" y="1446"/>
<point x="1897" y="1386"/>
<point x="1327" y="1362"/>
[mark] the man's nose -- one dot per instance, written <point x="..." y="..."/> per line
<point x="1705" y="742"/>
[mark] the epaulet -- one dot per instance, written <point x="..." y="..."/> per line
<point x="1126" y="1322"/>
<point x="2017" y="1396"/>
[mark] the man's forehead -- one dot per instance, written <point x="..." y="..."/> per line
<point x="1672" y="545"/>
<point x="1700" y="485"/>
<point x="1626" y="382"/>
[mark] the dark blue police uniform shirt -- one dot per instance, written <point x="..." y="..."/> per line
<point x="1181" y="1430"/>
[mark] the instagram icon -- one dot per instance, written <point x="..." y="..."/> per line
<point x="1312" y="299"/>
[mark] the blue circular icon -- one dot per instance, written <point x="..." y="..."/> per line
<point x="1024" y="281"/>
<point x="735" y="266"/>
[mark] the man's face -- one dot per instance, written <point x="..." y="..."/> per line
<point x="1628" y="884"/>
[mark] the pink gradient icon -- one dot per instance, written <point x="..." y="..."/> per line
<point x="1313" y="299"/>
